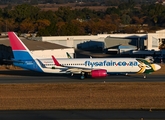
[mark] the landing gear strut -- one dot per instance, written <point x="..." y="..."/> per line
<point x="145" y="76"/>
<point x="82" y="75"/>
<point x="71" y="74"/>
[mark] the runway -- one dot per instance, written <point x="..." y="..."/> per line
<point x="83" y="114"/>
<point x="23" y="76"/>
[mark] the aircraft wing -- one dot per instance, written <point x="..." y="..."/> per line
<point x="78" y="70"/>
<point x="71" y="68"/>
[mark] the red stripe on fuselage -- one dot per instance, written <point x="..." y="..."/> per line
<point x="15" y="42"/>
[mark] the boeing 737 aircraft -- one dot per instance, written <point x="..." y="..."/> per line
<point x="95" y="67"/>
<point x="68" y="55"/>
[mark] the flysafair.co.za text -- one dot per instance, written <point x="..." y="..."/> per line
<point x="111" y="63"/>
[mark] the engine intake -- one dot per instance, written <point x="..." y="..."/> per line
<point x="98" y="73"/>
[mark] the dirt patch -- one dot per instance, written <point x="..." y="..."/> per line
<point x="82" y="96"/>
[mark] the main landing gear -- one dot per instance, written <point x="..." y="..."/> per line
<point x="82" y="75"/>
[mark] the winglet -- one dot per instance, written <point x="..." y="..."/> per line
<point x="55" y="61"/>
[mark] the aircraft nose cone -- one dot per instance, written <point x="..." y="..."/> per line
<point x="156" y="67"/>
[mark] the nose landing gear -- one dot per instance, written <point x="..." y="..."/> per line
<point x="145" y="76"/>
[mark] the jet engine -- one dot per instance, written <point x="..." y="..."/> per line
<point x="98" y="73"/>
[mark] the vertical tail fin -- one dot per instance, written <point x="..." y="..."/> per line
<point x="20" y="51"/>
<point x="15" y="42"/>
<point x="68" y="55"/>
<point x="22" y="56"/>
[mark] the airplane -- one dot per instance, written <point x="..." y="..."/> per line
<point x="95" y="67"/>
<point x="69" y="56"/>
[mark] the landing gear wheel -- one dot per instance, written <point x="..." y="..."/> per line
<point x="86" y="75"/>
<point x="82" y="77"/>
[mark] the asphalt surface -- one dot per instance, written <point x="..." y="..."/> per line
<point x="83" y="114"/>
<point x="23" y="76"/>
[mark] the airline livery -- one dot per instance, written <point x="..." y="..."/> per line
<point x="95" y="67"/>
<point x="68" y="55"/>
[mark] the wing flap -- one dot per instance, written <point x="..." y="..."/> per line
<point x="79" y="70"/>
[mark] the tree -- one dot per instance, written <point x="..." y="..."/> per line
<point x="131" y="29"/>
<point x="42" y="24"/>
<point x="21" y="12"/>
<point x="2" y="25"/>
<point x="27" y="26"/>
<point x="65" y="13"/>
<point x="112" y="10"/>
<point x="155" y="13"/>
<point x="137" y="20"/>
<point x="125" y="19"/>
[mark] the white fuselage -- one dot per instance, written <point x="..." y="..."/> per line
<point x="114" y="65"/>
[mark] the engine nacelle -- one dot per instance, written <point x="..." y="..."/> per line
<point x="98" y="73"/>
